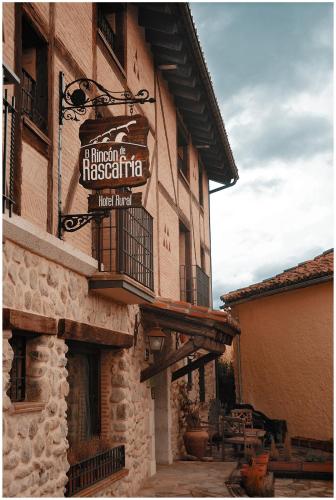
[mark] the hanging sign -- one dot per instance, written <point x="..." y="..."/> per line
<point x="114" y="152"/>
<point x="115" y="200"/>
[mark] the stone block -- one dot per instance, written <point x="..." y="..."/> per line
<point x="8" y="294"/>
<point x="12" y="273"/>
<point x="120" y="380"/>
<point x="36" y="302"/>
<point x="28" y="300"/>
<point x="117" y="395"/>
<point x="43" y="287"/>
<point x="26" y="452"/>
<point x="52" y="277"/>
<point x="33" y="428"/>
<point x="23" y="428"/>
<point x="10" y="461"/>
<point x="64" y="294"/>
<point x="18" y="255"/>
<point x="38" y="445"/>
<point x="73" y="287"/>
<point x="33" y="279"/>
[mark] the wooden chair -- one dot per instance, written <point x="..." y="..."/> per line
<point x="235" y="434"/>
<point x="212" y="425"/>
<point x="245" y="414"/>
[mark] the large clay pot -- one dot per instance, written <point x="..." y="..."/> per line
<point x="195" y="442"/>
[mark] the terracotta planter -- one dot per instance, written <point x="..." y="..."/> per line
<point x="261" y="459"/>
<point x="195" y="442"/>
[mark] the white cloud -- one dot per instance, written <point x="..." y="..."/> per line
<point x="264" y="230"/>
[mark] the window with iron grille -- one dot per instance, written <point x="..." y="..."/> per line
<point x="84" y="395"/>
<point x="123" y="243"/>
<point x="110" y="20"/>
<point x="17" y="376"/>
<point x="34" y="82"/>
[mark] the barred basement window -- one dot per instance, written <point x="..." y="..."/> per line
<point x="17" y="389"/>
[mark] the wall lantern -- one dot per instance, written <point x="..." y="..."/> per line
<point x="156" y="339"/>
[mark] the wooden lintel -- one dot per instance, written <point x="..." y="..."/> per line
<point x="179" y="325"/>
<point x="73" y="330"/>
<point x="190" y="325"/>
<point x="14" y="319"/>
<point x="194" y="365"/>
<point x="209" y="345"/>
<point x="170" y="359"/>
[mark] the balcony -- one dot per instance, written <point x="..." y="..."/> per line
<point x="31" y="102"/>
<point x="123" y="246"/>
<point x="9" y="115"/>
<point x="194" y="285"/>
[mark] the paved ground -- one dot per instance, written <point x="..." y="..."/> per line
<point x="189" y="479"/>
<point x="303" y="488"/>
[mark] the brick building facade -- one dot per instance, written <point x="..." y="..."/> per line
<point x="76" y="321"/>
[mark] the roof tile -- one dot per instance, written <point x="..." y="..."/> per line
<point x="322" y="265"/>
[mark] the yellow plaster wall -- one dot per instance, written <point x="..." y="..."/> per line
<point x="287" y="358"/>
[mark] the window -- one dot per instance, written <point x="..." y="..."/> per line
<point x="34" y="76"/>
<point x="17" y="376"/>
<point x="111" y="27"/>
<point x="200" y="184"/>
<point x="201" y="384"/>
<point x="182" y="152"/>
<point x="84" y="394"/>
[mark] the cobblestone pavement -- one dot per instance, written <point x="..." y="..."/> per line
<point x="189" y="479"/>
<point x="303" y="488"/>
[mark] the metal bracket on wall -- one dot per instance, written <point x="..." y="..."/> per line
<point x="74" y="100"/>
<point x="73" y="222"/>
<point x="84" y="93"/>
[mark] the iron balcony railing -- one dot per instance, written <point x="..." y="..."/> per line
<point x="31" y="103"/>
<point x="94" y="469"/>
<point x="123" y="244"/>
<point x="8" y="151"/>
<point x="194" y="285"/>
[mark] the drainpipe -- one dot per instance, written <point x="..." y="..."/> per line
<point x="225" y="186"/>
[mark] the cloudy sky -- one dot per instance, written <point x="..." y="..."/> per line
<point x="271" y="66"/>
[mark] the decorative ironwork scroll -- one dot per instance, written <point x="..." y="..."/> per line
<point x="73" y="222"/>
<point x="85" y="93"/>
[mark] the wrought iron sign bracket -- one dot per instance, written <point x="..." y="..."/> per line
<point x="85" y="93"/>
<point x="75" y="99"/>
<point x="73" y="222"/>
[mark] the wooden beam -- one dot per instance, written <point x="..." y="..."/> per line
<point x="29" y="322"/>
<point x="190" y="326"/>
<point x="194" y="365"/>
<point x="170" y="359"/>
<point x="209" y="345"/>
<point x="73" y="330"/>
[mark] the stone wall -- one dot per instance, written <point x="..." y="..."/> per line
<point x="34" y="442"/>
<point x="34" y="284"/>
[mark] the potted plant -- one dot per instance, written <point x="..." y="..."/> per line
<point x="195" y="437"/>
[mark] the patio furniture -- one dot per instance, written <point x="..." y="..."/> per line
<point x="234" y="433"/>
<point x="212" y="424"/>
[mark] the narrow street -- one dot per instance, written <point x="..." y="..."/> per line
<point x="189" y="479"/>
